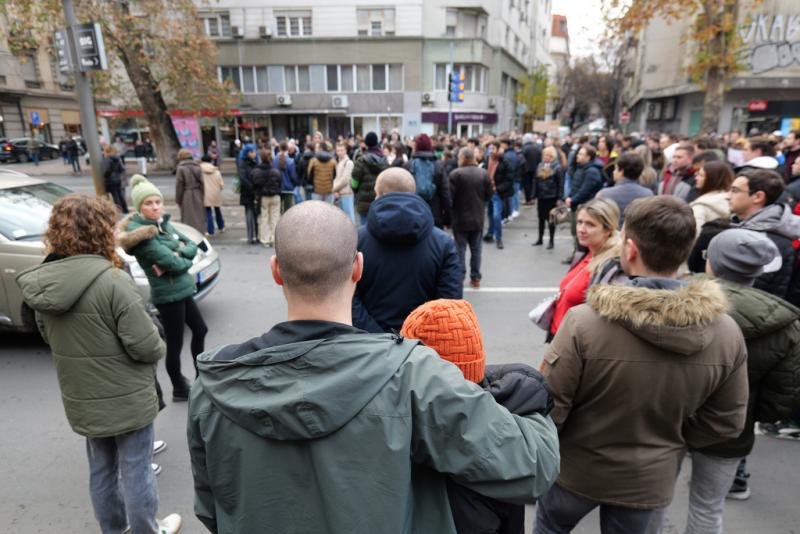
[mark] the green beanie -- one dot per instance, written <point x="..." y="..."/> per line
<point x="141" y="188"/>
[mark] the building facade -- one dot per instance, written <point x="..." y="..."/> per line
<point x="346" y="68"/>
<point x="764" y="96"/>
<point x="35" y="98"/>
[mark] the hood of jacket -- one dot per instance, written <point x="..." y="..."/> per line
<point x="716" y="201"/>
<point x="425" y="154"/>
<point x="188" y="163"/>
<point x="323" y="156"/>
<point x="757" y="312"/>
<point x="134" y="229"/>
<point x="672" y="316"/>
<point x="303" y="390"/>
<point x="776" y="218"/>
<point x="54" y="287"/>
<point x="208" y="168"/>
<point x="400" y="219"/>
<point x="594" y="163"/>
<point x="374" y="162"/>
<point x="762" y="162"/>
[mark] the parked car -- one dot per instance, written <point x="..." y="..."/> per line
<point x="25" y="205"/>
<point x="17" y="150"/>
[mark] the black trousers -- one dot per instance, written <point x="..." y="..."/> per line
<point x="527" y="185"/>
<point x="543" y="208"/>
<point x="173" y="316"/>
<point x="118" y="196"/>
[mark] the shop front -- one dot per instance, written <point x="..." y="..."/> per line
<point x="465" y="124"/>
<point x="38" y="120"/>
<point x="72" y="122"/>
<point x="770" y="115"/>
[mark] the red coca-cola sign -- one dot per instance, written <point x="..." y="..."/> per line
<point x="757" y="105"/>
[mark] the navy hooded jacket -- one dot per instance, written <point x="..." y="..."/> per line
<point x="586" y="182"/>
<point x="407" y="262"/>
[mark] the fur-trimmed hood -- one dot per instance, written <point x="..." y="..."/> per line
<point x="672" y="319"/>
<point x="129" y="235"/>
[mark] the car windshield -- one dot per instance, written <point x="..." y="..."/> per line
<point x="24" y="211"/>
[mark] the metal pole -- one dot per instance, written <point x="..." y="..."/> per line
<point x="88" y="118"/>
<point x="449" y="82"/>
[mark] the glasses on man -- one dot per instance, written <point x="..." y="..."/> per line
<point x="735" y="190"/>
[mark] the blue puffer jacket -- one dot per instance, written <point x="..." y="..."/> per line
<point x="406" y="262"/>
<point x="586" y="182"/>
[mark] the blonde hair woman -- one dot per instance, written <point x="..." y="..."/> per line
<point x="597" y="222"/>
<point x="649" y="177"/>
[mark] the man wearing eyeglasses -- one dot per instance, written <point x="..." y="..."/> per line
<point x="754" y="199"/>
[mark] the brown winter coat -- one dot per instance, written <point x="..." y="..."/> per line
<point x="638" y="375"/>
<point x="321" y="172"/>
<point x="212" y="185"/>
<point x="189" y="194"/>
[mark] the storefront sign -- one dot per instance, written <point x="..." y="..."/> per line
<point x="440" y="117"/>
<point x="757" y="105"/>
<point x="35" y="119"/>
<point x="91" y="50"/>
<point x="65" y="63"/>
<point x="188" y="131"/>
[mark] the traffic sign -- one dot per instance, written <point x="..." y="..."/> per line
<point x="65" y="62"/>
<point x="90" y="47"/>
<point x="624" y="117"/>
<point x="36" y="120"/>
<point x="457" y="86"/>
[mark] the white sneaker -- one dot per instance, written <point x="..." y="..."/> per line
<point x="156" y="469"/>
<point x="169" y="525"/>
<point x="159" y="446"/>
<point x="514" y="215"/>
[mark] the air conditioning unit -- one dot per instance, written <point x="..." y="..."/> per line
<point x="492" y="103"/>
<point x="427" y="98"/>
<point x="284" y="100"/>
<point x="339" y="101"/>
<point x="265" y="31"/>
<point x="237" y="32"/>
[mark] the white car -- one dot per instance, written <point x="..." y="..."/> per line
<point x="25" y="205"/>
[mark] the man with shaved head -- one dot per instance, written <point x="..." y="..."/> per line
<point x="407" y="260"/>
<point x="319" y="427"/>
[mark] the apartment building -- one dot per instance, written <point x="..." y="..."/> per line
<point x="348" y="67"/>
<point x="35" y="98"/>
<point x="763" y="96"/>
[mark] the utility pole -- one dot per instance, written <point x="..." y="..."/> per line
<point x="84" y="90"/>
<point x="449" y="82"/>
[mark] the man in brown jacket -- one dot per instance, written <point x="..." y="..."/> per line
<point x="321" y="172"/>
<point x="639" y="373"/>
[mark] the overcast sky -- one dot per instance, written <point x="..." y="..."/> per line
<point x="585" y="24"/>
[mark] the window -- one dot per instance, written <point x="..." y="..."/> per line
<point x="275" y="76"/>
<point x="396" y="77"/>
<point x="504" y="85"/>
<point x="317" y="75"/>
<point x="293" y="23"/>
<point x="375" y="22"/>
<point x="347" y="78"/>
<point x="30" y="71"/>
<point x="248" y="80"/>
<point x="362" y="76"/>
<point x="217" y="25"/>
<point x="303" y="79"/>
<point x="290" y="76"/>
<point x="440" y="77"/>
<point x="261" y="80"/>
<point x="451" y="22"/>
<point x="379" y="77"/>
<point x="232" y="74"/>
<point x="332" y="74"/>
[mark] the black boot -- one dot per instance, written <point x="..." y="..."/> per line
<point x="552" y="228"/>
<point x="540" y="241"/>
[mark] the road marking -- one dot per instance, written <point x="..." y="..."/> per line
<point x="512" y="290"/>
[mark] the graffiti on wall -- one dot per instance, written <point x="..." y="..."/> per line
<point x="772" y="42"/>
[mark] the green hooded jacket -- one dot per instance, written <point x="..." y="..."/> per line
<point x="353" y="434"/>
<point x="105" y="346"/>
<point x="772" y="334"/>
<point x="155" y="243"/>
<point x="366" y="169"/>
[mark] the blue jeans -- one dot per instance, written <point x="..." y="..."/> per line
<point x="559" y="511"/>
<point x="324" y="198"/>
<point x="347" y="203"/>
<point x="122" y="484"/>
<point x="473" y="239"/>
<point x="515" y="198"/>
<point x="362" y="219"/>
<point x="298" y="194"/>
<point x="496" y="217"/>
<point x="210" y="212"/>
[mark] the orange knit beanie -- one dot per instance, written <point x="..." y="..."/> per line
<point x="450" y="327"/>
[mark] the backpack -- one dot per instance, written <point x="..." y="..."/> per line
<point x="423" y="170"/>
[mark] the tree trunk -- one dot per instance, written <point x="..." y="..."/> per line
<point x="162" y="132"/>
<point x="712" y="101"/>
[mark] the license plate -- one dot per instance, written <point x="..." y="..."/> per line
<point x="208" y="273"/>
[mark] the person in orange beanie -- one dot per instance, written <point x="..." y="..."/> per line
<point x="450" y="327"/>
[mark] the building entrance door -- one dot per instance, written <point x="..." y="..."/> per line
<point x="469" y="129"/>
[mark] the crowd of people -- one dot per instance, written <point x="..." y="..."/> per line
<point x="674" y="333"/>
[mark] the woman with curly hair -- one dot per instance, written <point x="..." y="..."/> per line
<point x="165" y="255"/>
<point x="105" y="348"/>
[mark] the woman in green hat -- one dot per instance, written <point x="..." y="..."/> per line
<point x="165" y="255"/>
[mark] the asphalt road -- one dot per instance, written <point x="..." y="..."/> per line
<point x="44" y="469"/>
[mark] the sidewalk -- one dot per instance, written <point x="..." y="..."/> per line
<point x="56" y="167"/>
